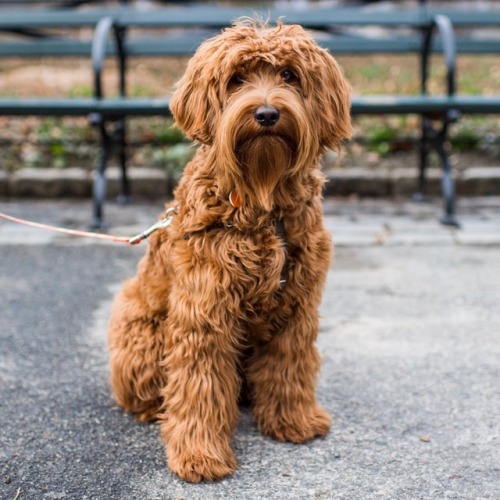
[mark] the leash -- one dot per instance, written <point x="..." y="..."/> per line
<point x="234" y="199"/>
<point x="134" y="240"/>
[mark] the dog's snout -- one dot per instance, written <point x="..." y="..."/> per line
<point x="267" y="116"/>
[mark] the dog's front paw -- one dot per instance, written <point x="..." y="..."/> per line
<point x="297" y="427"/>
<point x="194" y="466"/>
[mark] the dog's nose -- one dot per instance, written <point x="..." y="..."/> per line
<point x="266" y="116"/>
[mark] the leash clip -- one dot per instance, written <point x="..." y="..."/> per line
<point x="161" y="224"/>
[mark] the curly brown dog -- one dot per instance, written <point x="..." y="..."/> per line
<point x="225" y="301"/>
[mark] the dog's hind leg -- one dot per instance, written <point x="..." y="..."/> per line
<point x="136" y="351"/>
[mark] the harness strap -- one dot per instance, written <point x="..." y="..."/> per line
<point x="279" y="227"/>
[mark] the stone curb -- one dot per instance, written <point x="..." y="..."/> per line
<point x="474" y="181"/>
<point x="153" y="183"/>
<point x="77" y="183"/>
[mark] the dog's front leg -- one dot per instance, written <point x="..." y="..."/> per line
<point x="282" y="374"/>
<point x="200" y="399"/>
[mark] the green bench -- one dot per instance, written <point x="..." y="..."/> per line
<point x="334" y="27"/>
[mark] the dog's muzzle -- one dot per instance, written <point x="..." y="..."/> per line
<point x="267" y="116"/>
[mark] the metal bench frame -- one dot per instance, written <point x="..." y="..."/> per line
<point x="433" y="137"/>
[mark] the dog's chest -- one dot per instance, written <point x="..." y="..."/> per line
<point x="260" y="263"/>
<point x="246" y="269"/>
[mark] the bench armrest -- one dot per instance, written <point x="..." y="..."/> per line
<point x="99" y="48"/>
<point x="445" y="29"/>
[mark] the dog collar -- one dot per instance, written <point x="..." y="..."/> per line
<point x="279" y="227"/>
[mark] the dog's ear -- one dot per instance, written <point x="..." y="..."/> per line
<point x="195" y="103"/>
<point x="333" y="98"/>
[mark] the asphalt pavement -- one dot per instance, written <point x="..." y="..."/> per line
<point x="411" y="364"/>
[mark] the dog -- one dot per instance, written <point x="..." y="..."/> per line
<point x="224" y="305"/>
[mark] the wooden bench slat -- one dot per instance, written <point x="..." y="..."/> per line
<point x="48" y="47"/>
<point x="180" y="45"/>
<point x="208" y="15"/>
<point x="80" y="107"/>
<point x="63" y="18"/>
<point x="119" y="107"/>
<point x="385" y="104"/>
<point x="469" y="17"/>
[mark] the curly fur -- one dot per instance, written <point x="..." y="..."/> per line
<point x="205" y="318"/>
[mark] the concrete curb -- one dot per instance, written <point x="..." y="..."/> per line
<point x="153" y="183"/>
<point x="379" y="183"/>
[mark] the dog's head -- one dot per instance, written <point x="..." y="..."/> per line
<point x="268" y="99"/>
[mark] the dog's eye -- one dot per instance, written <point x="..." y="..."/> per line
<point x="289" y="76"/>
<point x="236" y="80"/>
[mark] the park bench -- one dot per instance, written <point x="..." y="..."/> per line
<point x="335" y="31"/>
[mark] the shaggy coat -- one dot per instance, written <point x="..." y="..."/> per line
<point x="225" y="302"/>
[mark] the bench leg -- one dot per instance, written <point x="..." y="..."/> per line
<point x="447" y="185"/>
<point x="421" y="194"/>
<point x="121" y="131"/>
<point x="99" y="188"/>
<point x="437" y="140"/>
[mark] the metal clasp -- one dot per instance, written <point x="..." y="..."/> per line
<point x="161" y="224"/>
